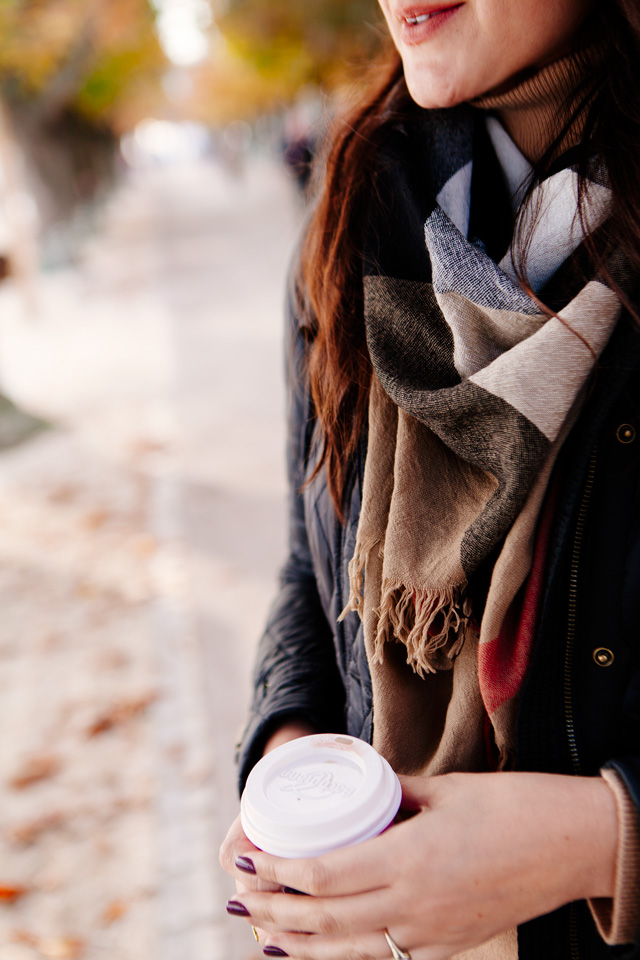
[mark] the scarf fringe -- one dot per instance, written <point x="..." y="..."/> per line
<point x="408" y="615"/>
<point x="356" y="576"/>
<point x="425" y="621"/>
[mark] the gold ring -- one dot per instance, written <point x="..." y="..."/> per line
<point x="255" y="933"/>
<point x="398" y="954"/>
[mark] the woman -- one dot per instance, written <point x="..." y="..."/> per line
<point x="465" y="529"/>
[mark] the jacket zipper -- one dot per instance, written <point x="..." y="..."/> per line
<point x="569" y="656"/>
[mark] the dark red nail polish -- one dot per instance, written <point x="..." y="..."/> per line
<point x="237" y="909"/>
<point x="244" y="863"/>
<point x="274" y="952"/>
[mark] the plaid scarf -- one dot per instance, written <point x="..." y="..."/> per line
<point x="474" y="391"/>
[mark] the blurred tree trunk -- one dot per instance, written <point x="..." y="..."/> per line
<point x="21" y="251"/>
<point x="16" y="424"/>
<point x="66" y="70"/>
<point x="61" y="89"/>
<point x="65" y="158"/>
<point x="67" y="161"/>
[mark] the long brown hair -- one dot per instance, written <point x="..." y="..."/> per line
<point x="330" y="280"/>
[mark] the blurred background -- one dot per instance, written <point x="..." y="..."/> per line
<point x="154" y="160"/>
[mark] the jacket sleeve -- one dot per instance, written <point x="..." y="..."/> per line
<point x="295" y="672"/>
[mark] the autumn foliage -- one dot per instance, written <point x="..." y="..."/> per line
<point x="100" y="59"/>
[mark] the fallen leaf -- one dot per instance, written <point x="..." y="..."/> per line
<point x="52" y="948"/>
<point x="63" y="494"/>
<point x="86" y="589"/>
<point x="113" y="912"/>
<point x="60" y="948"/>
<point x="26" y="833"/>
<point x="102" y="844"/>
<point x="113" y="659"/>
<point x="22" y="936"/>
<point x="95" y="519"/>
<point x="142" y="447"/>
<point x="120" y="713"/>
<point x="35" y="768"/>
<point x="51" y="641"/>
<point x="11" y="894"/>
<point x="175" y="753"/>
<point x="144" y="546"/>
<point x="49" y="882"/>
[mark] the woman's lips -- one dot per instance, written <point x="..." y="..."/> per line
<point x="420" y="23"/>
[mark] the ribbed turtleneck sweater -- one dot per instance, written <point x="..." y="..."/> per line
<point x="534" y="110"/>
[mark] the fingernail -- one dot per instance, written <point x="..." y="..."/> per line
<point x="274" y="952"/>
<point x="298" y="893"/>
<point x="244" y="863"/>
<point x="237" y="909"/>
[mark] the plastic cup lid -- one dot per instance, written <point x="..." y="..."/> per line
<point x="317" y="794"/>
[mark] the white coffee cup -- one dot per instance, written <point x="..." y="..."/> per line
<point x="316" y="794"/>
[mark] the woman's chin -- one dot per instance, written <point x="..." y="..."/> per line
<point x="432" y="98"/>
<point x="434" y="92"/>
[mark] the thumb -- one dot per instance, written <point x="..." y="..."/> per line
<point x="417" y="792"/>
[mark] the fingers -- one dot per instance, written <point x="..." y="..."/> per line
<point x="364" y="867"/>
<point x="232" y="844"/>
<point x="336" y="917"/>
<point x="370" y="946"/>
<point x="420" y="792"/>
<point x="236" y="857"/>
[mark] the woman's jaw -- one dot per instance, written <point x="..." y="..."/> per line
<point x="456" y="51"/>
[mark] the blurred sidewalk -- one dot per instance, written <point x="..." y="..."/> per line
<point x="139" y="545"/>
